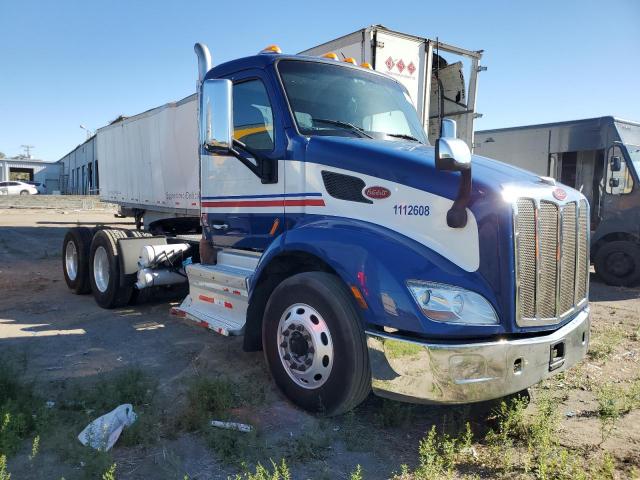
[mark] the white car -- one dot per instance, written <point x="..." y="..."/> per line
<point x="15" y="187"/>
<point x="42" y="188"/>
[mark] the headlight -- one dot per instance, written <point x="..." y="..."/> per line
<point x="446" y="303"/>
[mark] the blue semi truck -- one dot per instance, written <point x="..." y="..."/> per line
<point x="300" y="200"/>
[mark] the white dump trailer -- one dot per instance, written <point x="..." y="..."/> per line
<point x="149" y="162"/>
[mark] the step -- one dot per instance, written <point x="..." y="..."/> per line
<point x="218" y="296"/>
<point x="239" y="259"/>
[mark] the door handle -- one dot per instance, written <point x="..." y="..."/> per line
<point x="220" y="226"/>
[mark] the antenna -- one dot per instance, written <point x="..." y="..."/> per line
<point x="27" y="150"/>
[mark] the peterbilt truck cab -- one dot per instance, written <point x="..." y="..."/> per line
<point x="355" y="254"/>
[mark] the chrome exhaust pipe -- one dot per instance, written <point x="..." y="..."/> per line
<point x="204" y="60"/>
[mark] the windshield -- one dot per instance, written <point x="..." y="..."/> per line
<point x="336" y="100"/>
<point x="634" y="154"/>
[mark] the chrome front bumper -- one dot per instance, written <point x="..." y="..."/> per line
<point x="472" y="372"/>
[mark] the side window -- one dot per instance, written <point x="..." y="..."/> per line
<point x="252" y="116"/>
<point x="4" y="184"/>
<point x="619" y="179"/>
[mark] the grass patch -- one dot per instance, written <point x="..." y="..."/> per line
<point x="280" y="472"/>
<point x="614" y="401"/>
<point x="604" y="343"/>
<point x="22" y="412"/>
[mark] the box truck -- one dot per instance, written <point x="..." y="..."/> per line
<point x="303" y="205"/>
<point x="600" y="157"/>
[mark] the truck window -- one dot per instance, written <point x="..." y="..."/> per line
<point x="328" y="99"/>
<point x="252" y="115"/>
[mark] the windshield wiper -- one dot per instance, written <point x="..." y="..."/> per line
<point x="404" y="136"/>
<point x="339" y="123"/>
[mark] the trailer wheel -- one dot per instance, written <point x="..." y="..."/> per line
<point x="315" y="345"/>
<point x="104" y="270"/>
<point x="75" y="259"/>
<point x="618" y="263"/>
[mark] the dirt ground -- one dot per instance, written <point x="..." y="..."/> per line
<point x="65" y="339"/>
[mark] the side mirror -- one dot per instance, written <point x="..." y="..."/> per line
<point x="452" y="154"/>
<point x="616" y="164"/>
<point x="216" y="116"/>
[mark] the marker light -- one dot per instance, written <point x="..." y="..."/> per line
<point x="272" y="49"/>
<point x="366" y="65"/>
<point x="351" y="60"/>
<point x="330" y="55"/>
<point x="448" y="303"/>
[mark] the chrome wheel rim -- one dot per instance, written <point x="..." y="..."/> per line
<point x="71" y="260"/>
<point x="101" y="269"/>
<point x="305" y="346"/>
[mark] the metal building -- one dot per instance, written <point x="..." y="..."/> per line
<point x="79" y="170"/>
<point x="31" y="170"/>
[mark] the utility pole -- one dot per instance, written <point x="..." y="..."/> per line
<point x="27" y="150"/>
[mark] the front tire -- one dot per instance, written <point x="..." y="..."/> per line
<point x="315" y="345"/>
<point x="24" y="192"/>
<point x="618" y="263"/>
<point x="104" y="270"/>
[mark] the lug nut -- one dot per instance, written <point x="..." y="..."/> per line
<point x="287" y="357"/>
<point x="300" y="328"/>
<point x="312" y="350"/>
<point x="283" y="345"/>
<point x="291" y="327"/>
<point x="302" y="368"/>
<point x="286" y="333"/>
<point x="308" y="361"/>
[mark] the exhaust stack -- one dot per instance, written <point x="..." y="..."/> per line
<point x="204" y="60"/>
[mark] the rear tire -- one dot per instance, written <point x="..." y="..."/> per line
<point x="24" y="192"/>
<point x="75" y="259"/>
<point x="330" y="344"/>
<point x="104" y="270"/>
<point x="618" y="263"/>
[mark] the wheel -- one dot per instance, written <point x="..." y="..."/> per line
<point x="315" y="345"/>
<point x="618" y="263"/>
<point x="75" y="259"/>
<point x="104" y="270"/>
<point x="24" y="192"/>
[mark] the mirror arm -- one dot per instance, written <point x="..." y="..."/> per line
<point x="265" y="168"/>
<point x="457" y="214"/>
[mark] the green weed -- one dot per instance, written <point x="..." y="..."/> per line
<point x="604" y="343"/>
<point x="4" y="474"/>
<point x="279" y="472"/>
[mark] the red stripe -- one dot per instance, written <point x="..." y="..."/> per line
<point x="228" y="305"/>
<point x="205" y="299"/>
<point x="267" y="203"/>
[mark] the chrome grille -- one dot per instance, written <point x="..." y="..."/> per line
<point x="551" y="259"/>
<point x="568" y="257"/>
<point x="582" y="269"/>
<point x="525" y="255"/>
<point x="548" y="263"/>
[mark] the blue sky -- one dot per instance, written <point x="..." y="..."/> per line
<point x="65" y="63"/>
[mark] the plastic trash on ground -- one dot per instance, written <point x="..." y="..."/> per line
<point x="104" y="431"/>
<point x="240" y="427"/>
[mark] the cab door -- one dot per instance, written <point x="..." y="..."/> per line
<point x="239" y="209"/>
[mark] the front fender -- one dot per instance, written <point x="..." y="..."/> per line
<point x="379" y="261"/>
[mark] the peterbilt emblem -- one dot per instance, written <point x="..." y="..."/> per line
<point x="559" y="194"/>
<point x="377" y="192"/>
